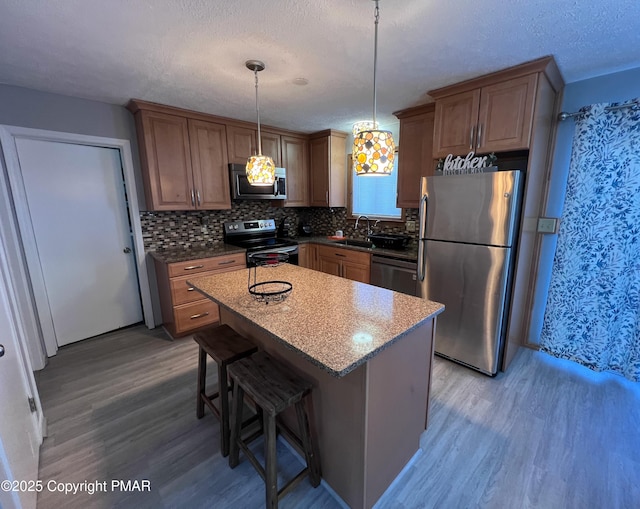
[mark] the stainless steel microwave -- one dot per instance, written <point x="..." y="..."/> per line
<point x="242" y="190"/>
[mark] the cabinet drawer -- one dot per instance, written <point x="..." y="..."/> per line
<point x="194" y="315"/>
<point x="183" y="293"/>
<point x="206" y="264"/>
<point x="344" y="254"/>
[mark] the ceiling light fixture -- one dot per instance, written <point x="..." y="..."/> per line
<point x="261" y="171"/>
<point x="363" y="125"/>
<point x="373" y="149"/>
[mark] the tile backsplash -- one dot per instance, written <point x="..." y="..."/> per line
<point x="165" y="230"/>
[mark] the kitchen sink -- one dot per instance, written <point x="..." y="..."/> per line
<point x="355" y="242"/>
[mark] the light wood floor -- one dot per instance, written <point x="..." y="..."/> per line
<point x="547" y="434"/>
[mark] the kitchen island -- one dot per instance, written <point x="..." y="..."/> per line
<point x="368" y="352"/>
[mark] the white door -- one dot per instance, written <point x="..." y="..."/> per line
<point x="77" y="206"/>
<point x="19" y="439"/>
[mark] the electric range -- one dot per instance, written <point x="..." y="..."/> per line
<point x="258" y="236"/>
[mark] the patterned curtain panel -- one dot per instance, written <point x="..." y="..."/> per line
<point x="593" y="308"/>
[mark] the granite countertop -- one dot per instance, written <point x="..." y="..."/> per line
<point x="409" y="254"/>
<point x="335" y="323"/>
<point x="183" y="254"/>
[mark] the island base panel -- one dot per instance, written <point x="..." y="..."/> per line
<point x="368" y="422"/>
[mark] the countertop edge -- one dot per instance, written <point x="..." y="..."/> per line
<point x="315" y="362"/>
<point x="410" y="254"/>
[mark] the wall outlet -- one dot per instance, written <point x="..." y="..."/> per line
<point x="411" y="226"/>
<point x="547" y="225"/>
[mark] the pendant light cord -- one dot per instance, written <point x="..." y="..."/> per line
<point x="375" y="62"/>
<point x="255" y="71"/>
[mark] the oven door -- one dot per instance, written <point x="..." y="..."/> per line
<point x="292" y="251"/>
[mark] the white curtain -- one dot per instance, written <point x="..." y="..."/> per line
<point x="593" y="308"/>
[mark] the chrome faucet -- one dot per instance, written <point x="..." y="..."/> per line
<point x="368" y="225"/>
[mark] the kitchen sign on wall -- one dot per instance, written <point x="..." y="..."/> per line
<point x="467" y="165"/>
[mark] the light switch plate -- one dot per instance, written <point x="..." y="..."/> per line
<point x="411" y="226"/>
<point x="547" y="225"/>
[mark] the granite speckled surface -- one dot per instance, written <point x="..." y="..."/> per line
<point x="335" y="323"/>
<point x="194" y="253"/>
<point x="409" y="254"/>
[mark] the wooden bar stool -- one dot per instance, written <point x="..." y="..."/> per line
<point x="224" y="346"/>
<point x="273" y="388"/>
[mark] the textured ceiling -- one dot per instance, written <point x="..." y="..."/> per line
<point x="191" y="53"/>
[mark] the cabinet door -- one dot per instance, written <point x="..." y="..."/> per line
<point x="329" y="265"/>
<point x="415" y="158"/>
<point x="241" y="144"/>
<point x="210" y="166"/>
<point x="295" y="158"/>
<point x="455" y="124"/>
<point x="356" y="271"/>
<point x="319" y="172"/>
<point x="506" y="115"/>
<point x="303" y="255"/>
<point x="271" y="147"/>
<point x="166" y="162"/>
<point x="312" y="256"/>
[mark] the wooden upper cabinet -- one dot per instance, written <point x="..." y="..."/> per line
<point x="241" y="144"/>
<point x="506" y="115"/>
<point x="164" y="153"/>
<point x="415" y="156"/>
<point x="328" y="167"/>
<point x="271" y="146"/>
<point x="319" y="181"/>
<point x="208" y="143"/>
<point x="496" y="117"/>
<point x="295" y="158"/>
<point x="456" y="117"/>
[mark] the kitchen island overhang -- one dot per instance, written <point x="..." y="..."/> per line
<point x="368" y="352"/>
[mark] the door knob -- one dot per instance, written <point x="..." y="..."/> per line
<point x="127" y="250"/>
<point x="1" y="350"/>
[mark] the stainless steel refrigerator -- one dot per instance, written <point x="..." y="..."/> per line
<point x="466" y="243"/>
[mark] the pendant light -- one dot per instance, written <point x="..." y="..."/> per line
<point x="373" y="149"/>
<point x="261" y="171"/>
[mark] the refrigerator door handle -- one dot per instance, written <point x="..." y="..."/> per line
<point x="422" y="231"/>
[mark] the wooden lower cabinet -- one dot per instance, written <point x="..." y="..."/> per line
<point x="354" y="265"/>
<point x="184" y="309"/>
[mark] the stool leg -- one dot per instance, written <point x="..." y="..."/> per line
<point x="270" y="460"/>
<point x="236" y="423"/>
<point x="223" y="390"/>
<point x="308" y="443"/>
<point x="202" y="382"/>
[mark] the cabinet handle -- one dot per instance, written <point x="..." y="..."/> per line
<point x="190" y="289"/>
<point x="473" y="128"/>
<point x="227" y="262"/>
<point x="192" y="267"/>
<point x="199" y="315"/>
<point x="340" y="254"/>
<point x="479" y="142"/>
<point x="198" y="193"/>
<point x="193" y="198"/>
<point x="327" y="198"/>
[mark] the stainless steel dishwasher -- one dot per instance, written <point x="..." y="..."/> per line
<point x="394" y="274"/>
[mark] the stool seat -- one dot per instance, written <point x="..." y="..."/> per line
<point x="225" y="346"/>
<point x="270" y="386"/>
<point x="273" y="388"/>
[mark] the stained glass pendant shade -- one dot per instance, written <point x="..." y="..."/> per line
<point x="373" y="149"/>
<point x="261" y="171"/>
